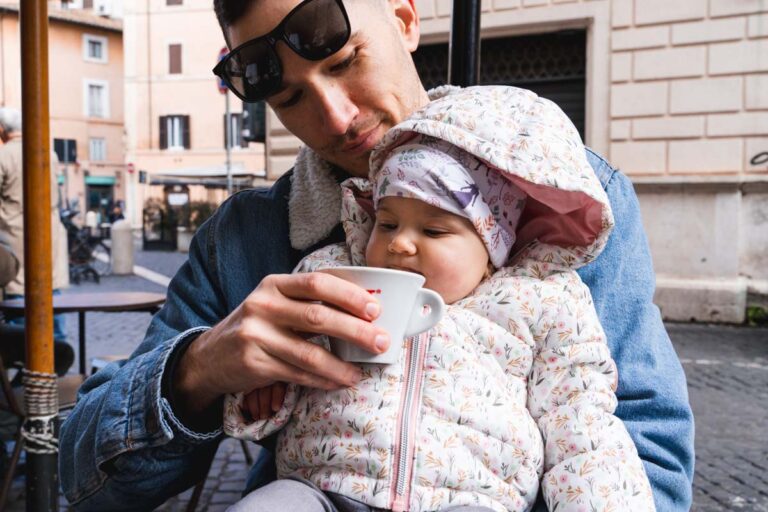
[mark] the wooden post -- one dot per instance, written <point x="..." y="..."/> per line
<point x="40" y="428"/>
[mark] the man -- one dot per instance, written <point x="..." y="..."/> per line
<point x="146" y="429"/>
<point x="12" y="217"/>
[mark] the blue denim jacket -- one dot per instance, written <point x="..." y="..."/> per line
<point x="122" y="448"/>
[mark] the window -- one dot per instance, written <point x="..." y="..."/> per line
<point x="87" y="4"/>
<point x="96" y="98"/>
<point x="94" y="48"/>
<point x="174" y="59"/>
<point x="174" y="132"/>
<point x="236" y="131"/>
<point x="66" y="150"/>
<point x="174" y="2"/>
<point x="98" y="149"/>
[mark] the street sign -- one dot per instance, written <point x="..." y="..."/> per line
<point x="220" y="83"/>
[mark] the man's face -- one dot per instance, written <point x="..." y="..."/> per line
<point x="342" y="106"/>
<point x="414" y="236"/>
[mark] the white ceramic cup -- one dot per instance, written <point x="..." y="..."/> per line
<point x="407" y="309"/>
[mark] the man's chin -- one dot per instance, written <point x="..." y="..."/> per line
<point x="354" y="166"/>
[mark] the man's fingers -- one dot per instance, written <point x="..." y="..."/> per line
<point x="308" y="358"/>
<point x="318" y="286"/>
<point x="252" y="404"/>
<point x="280" y="370"/>
<point x="319" y="318"/>
<point x="278" y="395"/>
<point x="265" y="399"/>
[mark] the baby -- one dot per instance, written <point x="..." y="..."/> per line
<point x="513" y="390"/>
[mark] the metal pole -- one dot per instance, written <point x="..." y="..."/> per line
<point x="40" y="426"/>
<point x="464" y="51"/>
<point x="228" y="130"/>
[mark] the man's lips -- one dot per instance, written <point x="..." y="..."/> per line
<point x="362" y="143"/>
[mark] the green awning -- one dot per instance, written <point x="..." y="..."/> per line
<point x="60" y="179"/>
<point x="99" y="180"/>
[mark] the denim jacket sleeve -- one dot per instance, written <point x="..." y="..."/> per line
<point x="652" y="392"/>
<point x="122" y="447"/>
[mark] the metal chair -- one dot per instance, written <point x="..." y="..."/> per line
<point x="198" y="489"/>
<point x="12" y="401"/>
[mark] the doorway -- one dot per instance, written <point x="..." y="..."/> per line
<point x="553" y="65"/>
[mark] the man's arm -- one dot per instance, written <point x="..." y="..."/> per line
<point x="652" y="392"/>
<point x="144" y="430"/>
<point x="9" y="263"/>
<point x="122" y="447"/>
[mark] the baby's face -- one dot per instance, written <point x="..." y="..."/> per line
<point x="411" y="235"/>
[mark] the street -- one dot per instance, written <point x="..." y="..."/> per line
<point x="726" y="367"/>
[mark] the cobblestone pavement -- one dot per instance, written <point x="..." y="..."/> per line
<point x="726" y="367"/>
<point x="727" y="371"/>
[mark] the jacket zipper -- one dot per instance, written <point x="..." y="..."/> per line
<point x="406" y="424"/>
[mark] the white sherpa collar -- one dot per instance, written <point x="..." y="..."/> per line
<point x="314" y="205"/>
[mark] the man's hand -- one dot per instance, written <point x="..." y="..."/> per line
<point x="261" y="403"/>
<point x="258" y="343"/>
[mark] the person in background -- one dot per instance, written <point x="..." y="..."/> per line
<point x="12" y="217"/>
<point x="116" y="213"/>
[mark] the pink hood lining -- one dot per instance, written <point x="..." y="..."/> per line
<point x="566" y="206"/>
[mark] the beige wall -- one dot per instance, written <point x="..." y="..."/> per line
<point x="68" y="72"/>
<point x="677" y="97"/>
<point x="150" y="26"/>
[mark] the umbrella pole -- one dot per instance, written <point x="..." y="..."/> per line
<point x="40" y="393"/>
<point x="464" y="51"/>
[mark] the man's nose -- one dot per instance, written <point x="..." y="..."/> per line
<point x="336" y="109"/>
<point x="402" y="244"/>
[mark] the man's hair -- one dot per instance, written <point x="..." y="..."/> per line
<point x="10" y="119"/>
<point x="229" y="11"/>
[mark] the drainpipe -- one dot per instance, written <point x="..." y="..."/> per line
<point x="464" y="50"/>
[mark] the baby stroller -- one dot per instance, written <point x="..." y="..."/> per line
<point x="89" y="255"/>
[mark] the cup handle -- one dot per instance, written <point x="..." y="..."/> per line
<point x="420" y="322"/>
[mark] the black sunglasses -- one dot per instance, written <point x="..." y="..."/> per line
<point x="314" y="29"/>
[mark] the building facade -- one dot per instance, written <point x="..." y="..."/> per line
<point x="86" y="101"/>
<point x="175" y="127"/>
<point x="675" y="94"/>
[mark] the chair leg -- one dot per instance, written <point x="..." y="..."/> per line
<point x="11" y="470"/>
<point x="195" y="498"/>
<point x="247" y="453"/>
<point x="192" y="505"/>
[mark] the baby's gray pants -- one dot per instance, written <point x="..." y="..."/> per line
<point x="298" y="495"/>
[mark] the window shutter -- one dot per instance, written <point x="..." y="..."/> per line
<point x="174" y="59"/>
<point x="163" y="132"/>
<point x="240" y="127"/>
<point x="185" y="128"/>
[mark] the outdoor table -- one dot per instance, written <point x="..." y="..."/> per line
<point x="81" y="303"/>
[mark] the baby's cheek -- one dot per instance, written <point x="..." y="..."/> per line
<point x="374" y="256"/>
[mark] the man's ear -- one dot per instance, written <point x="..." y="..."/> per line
<point x="408" y="18"/>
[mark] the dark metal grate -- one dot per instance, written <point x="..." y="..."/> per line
<point x="552" y="65"/>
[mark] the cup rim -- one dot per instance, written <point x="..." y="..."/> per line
<point x="383" y="270"/>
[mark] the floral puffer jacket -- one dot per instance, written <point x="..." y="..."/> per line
<point x="513" y="390"/>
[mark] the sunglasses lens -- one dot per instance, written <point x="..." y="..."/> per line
<point x="254" y="71"/>
<point x="318" y="29"/>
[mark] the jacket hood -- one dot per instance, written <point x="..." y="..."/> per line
<point x="531" y="142"/>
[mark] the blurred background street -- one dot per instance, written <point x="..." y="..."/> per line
<point x="727" y="370"/>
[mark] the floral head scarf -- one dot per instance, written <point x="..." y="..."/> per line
<point x="442" y="175"/>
